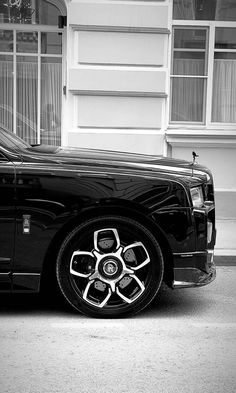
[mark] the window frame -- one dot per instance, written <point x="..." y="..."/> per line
<point x="207" y="109"/>
<point x="15" y="54"/>
<point x="202" y="77"/>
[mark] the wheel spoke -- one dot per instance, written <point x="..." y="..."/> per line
<point x="94" y="290"/>
<point x="82" y="263"/>
<point x="130" y="288"/>
<point x="136" y="255"/>
<point x="106" y="240"/>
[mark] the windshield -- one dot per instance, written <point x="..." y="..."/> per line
<point x="11" y="141"/>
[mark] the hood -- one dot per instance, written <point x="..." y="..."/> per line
<point x="112" y="160"/>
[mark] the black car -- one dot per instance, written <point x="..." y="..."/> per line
<point x="110" y="227"/>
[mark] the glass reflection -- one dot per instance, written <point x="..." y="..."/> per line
<point x="27" y="42"/>
<point x="6" y="40"/>
<point x="6" y="92"/>
<point x="204" y="10"/>
<point x="189" y="63"/>
<point x="51" y="91"/>
<point x="51" y="43"/>
<point x="187" y="99"/>
<point x="225" y="38"/>
<point x="27" y="88"/>
<point x="29" y="12"/>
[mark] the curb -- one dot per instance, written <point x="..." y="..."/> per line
<point x="225" y="260"/>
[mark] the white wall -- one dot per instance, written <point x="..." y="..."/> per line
<point x="117" y="74"/>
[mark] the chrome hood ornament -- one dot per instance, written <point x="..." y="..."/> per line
<point x="194" y="156"/>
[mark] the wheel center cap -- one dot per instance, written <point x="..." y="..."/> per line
<point x="110" y="267"/>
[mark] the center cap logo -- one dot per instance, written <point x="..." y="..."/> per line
<point x="110" y="268"/>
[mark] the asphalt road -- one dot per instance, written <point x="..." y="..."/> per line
<point x="184" y="342"/>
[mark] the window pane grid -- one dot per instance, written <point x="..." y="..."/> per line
<point x="204" y="10"/>
<point x="224" y="76"/>
<point x="39" y="12"/>
<point x="220" y="68"/>
<point x="189" y="75"/>
<point x="35" y="85"/>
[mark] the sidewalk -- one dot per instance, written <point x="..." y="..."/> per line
<point x="225" y="249"/>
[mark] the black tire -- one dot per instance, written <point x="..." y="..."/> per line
<point x="110" y="266"/>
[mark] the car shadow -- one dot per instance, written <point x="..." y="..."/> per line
<point x="168" y="303"/>
<point x="179" y="303"/>
<point x="33" y="303"/>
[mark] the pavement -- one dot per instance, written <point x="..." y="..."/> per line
<point x="225" y="249"/>
<point x="184" y="342"/>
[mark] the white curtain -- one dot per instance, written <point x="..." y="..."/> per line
<point x="224" y="91"/>
<point x="188" y="93"/>
<point x="51" y="90"/>
<point x="6" y="94"/>
<point x="189" y="66"/>
<point x="26" y="110"/>
<point x="27" y="99"/>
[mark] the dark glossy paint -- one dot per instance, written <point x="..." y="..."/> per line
<point x="7" y="222"/>
<point x="58" y="188"/>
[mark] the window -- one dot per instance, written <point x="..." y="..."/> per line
<point x="189" y="70"/>
<point x="42" y="12"/>
<point x="222" y="10"/>
<point x="203" y="71"/>
<point x="31" y="70"/>
<point x="224" y="76"/>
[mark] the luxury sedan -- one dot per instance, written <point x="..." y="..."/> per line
<point x="109" y="227"/>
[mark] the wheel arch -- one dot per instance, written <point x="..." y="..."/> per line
<point x="119" y="210"/>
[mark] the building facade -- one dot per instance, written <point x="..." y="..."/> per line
<point x="156" y="77"/>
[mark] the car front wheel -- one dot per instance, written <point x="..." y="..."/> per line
<point x="110" y="267"/>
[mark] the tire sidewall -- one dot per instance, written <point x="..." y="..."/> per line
<point x="71" y="242"/>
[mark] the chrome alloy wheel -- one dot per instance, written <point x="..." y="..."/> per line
<point x="109" y="266"/>
<point x="112" y="270"/>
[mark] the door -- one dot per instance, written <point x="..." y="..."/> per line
<point x="7" y="221"/>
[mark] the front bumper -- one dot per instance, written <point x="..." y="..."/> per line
<point x="193" y="269"/>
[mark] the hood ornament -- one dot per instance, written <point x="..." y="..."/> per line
<point x="194" y="156"/>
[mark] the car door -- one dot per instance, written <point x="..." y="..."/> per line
<point x="7" y="220"/>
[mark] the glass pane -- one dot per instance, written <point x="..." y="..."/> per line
<point x="27" y="42"/>
<point x="51" y="43"/>
<point x="27" y="88"/>
<point x="47" y="13"/>
<point x="190" y="38"/>
<point x="187" y="99"/>
<point x="205" y="10"/>
<point x="225" y="38"/>
<point x="225" y="55"/>
<point x="21" y="12"/>
<point x="224" y="90"/>
<point x="189" y="63"/>
<point x="51" y="91"/>
<point x="225" y="10"/>
<point x="29" y="12"/>
<point x="6" y="40"/>
<point x="6" y="92"/>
